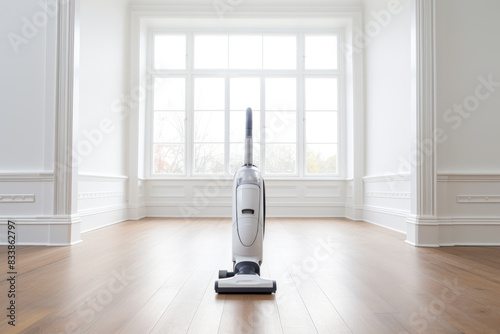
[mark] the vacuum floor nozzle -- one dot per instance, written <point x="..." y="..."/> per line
<point x="243" y="283"/>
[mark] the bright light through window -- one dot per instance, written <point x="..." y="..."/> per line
<point x="321" y="52"/>
<point x="245" y="52"/>
<point x="170" y="52"/>
<point x="210" y="51"/>
<point x="291" y="81"/>
<point x="280" y="52"/>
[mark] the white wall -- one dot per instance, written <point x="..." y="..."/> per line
<point x="468" y="159"/>
<point x="388" y="105"/>
<point x="103" y="86"/>
<point x="388" y="79"/>
<point x="103" y="142"/>
<point x="468" y="48"/>
<point x="27" y="121"/>
<point x="26" y="87"/>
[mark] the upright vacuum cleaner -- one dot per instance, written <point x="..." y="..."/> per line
<point x="249" y="213"/>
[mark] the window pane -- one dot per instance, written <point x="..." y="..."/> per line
<point x="321" y="127"/>
<point x="209" y="94"/>
<point x="321" y="52"/>
<point x="209" y="126"/>
<point x="168" y="158"/>
<point x="169" y="127"/>
<point x="280" y="52"/>
<point x="237" y="152"/>
<point x="280" y="158"/>
<point x="238" y="123"/>
<point x="281" y="127"/>
<point x="170" y="52"/>
<point x="245" y="52"/>
<point x="210" y="51"/>
<point x="321" y="94"/>
<point x="244" y="93"/>
<point x="169" y="94"/>
<point x="281" y="94"/>
<point x="321" y="158"/>
<point x="208" y="158"/>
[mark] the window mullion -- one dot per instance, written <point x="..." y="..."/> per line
<point x="341" y="114"/>
<point x="227" y="118"/>
<point x="150" y="78"/>
<point x="262" y="123"/>
<point x="301" y="158"/>
<point x="189" y="117"/>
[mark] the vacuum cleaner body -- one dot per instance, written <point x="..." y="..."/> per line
<point x="248" y="224"/>
<point x="248" y="215"/>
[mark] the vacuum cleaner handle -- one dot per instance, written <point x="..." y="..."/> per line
<point x="248" y="139"/>
<point x="249" y="123"/>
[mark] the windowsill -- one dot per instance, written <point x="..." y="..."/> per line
<point x="230" y="178"/>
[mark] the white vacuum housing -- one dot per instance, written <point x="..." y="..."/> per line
<point x="248" y="220"/>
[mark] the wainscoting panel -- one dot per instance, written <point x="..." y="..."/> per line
<point x="469" y="209"/>
<point x="387" y="200"/>
<point x="102" y="200"/>
<point x="212" y="198"/>
<point x="27" y="199"/>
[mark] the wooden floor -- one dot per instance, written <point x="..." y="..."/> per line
<point x="333" y="276"/>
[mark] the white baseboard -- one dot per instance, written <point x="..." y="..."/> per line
<point x="389" y="218"/>
<point x="439" y="232"/>
<point x="353" y="213"/>
<point x="42" y="231"/>
<point x="213" y="210"/>
<point x="97" y="218"/>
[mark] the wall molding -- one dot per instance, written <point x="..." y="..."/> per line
<point x="17" y="198"/>
<point x="102" y="209"/>
<point x="43" y="231"/>
<point x="399" y="213"/>
<point x="35" y="220"/>
<point x="27" y="177"/>
<point x="218" y="209"/>
<point x="194" y="10"/>
<point x="100" y="194"/>
<point x="478" y="199"/>
<point x="383" y="194"/>
<point x="475" y="221"/>
<point x="228" y="204"/>
<point x="386" y="178"/>
<point x="102" y="178"/>
<point x="469" y="177"/>
<point x="391" y="219"/>
<point x="423" y="113"/>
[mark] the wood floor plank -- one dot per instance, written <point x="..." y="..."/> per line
<point x="180" y="312"/>
<point x="293" y="313"/>
<point x="333" y="276"/>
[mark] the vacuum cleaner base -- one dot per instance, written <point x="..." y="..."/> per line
<point x="245" y="283"/>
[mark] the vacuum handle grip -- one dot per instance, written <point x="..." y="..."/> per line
<point x="249" y="123"/>
<point x="248" y="139"/>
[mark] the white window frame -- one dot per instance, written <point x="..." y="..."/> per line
<point x="300" y="73"/>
